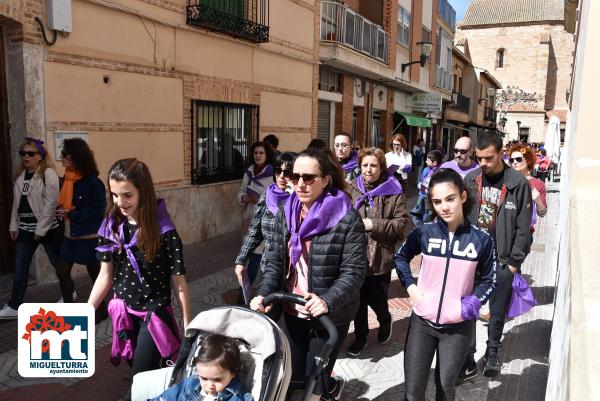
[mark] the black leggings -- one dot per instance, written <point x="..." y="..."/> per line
<point x="145" y="356"/>
<point x="307" y="338"/>
<point x="450" y="346"/>
<point x="63" y="271"/>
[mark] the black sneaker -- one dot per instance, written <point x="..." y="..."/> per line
<point x="356" y="347"/>
<point x="492" y="366"/>
<point x="335" y="393"/>
<point x="384" y="333"/>
<point x="469" y="372"/>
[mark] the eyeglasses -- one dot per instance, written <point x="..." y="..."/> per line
<point x="29" y="153"/>
<point x="286" y="173"/>
<point x="307" y="178"/>
<point x="515" y="159"/>
<point x="461" y="151"/>
<point x="396" y="145"/>
<point x="341" y="145"/>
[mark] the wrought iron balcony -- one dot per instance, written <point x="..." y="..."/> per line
<point x="248" y="19"/>
<point x="443" y="78"/>
<point x="489" y="114"/>
<point x="341" y="24"/>
<point x="462" y="103"/>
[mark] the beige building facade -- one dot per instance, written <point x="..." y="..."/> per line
<point x="524" y="45"/>
<point x="165" y="82"/>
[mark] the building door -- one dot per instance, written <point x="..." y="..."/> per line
<point x="524" y="134"/>
<point x="7" y="247"/>
<point x="324" y="121"/>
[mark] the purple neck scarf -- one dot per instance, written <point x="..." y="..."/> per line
<point x="323" y="215"/>
<point x="390" y="186"/>
<point x="266" y="172"/>
<point x="351" y="163"/>
<point x="275" y="197"/>
<point x="118" y="242"/>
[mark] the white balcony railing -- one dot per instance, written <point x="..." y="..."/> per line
<point x="341" y="24"/>
<point x="443" y="78"/>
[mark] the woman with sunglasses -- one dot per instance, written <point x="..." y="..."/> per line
<point x="523" y="159"/>
<point x="262" y="225"/>
<point x="82" y="202"/>
<point x="399" y="161"/>
<point x="33" y="219"/>
<point x="378" y="197"/>
<point x="319" y="253"/>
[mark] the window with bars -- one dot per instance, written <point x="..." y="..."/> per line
<point x="329" y="81"/>
<point x="403" y="27"/>
<point x="223" y="136"/>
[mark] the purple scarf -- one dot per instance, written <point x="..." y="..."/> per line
<point x="323" y="215"/>
<point x="275" y="197"/>
<point x="266" y="172"/>
<point x="118" y="242"/>
<point x="390" y="186"/>
<point x="351" y="163"/>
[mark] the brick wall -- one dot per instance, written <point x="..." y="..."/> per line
<point x="343" y="110"/>
<point x="416" y="32"/>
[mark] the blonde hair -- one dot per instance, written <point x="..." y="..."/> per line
<point x="45" y="163"/>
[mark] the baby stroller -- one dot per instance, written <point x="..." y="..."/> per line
<point x="264" y="349"/>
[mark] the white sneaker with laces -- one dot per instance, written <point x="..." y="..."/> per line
<point x="61" y="300"/>
<point x="8" y="313"/>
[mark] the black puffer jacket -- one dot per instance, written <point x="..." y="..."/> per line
<point x="337" y="266"/>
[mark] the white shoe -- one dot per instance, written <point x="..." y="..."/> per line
<point x="61" y="300"/>
<point x="8" y="313"/>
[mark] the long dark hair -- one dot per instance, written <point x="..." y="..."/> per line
<point x="136" y="172"/>
<point x="328" y="165"/>
<point x="81" y="156"/>
<point x="448" y="175"/>
<point x="224" y="351"/>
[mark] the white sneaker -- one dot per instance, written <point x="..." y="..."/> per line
<point x="8" y="313"/>
<point x="61" y="300"/>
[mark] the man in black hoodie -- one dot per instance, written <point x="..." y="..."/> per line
<point x="502" y="208"/>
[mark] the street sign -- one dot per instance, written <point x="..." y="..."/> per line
<point x="427" y="103"/>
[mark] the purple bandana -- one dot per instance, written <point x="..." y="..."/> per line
<point x="351" y="163"/>
<point x="117" y="243"/>
<point x="266" y="172"/>
<point x="275" y="197"/>
<point x="323" y="215"/>
<point x="390" y="186"/>
<point x="39" y="144"/>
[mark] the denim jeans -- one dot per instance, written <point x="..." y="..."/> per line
<point x="24" y="250"/>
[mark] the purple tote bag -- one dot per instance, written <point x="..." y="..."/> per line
<point x="522" y="299"/>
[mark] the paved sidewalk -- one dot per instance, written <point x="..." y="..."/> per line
<point x="377" y="374"/>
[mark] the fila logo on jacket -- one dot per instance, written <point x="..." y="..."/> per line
<point x="469" y="251"/>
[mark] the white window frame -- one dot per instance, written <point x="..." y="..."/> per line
<point x="403" y="36"/>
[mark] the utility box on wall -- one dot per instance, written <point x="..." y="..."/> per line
<point x="59" y="15"/>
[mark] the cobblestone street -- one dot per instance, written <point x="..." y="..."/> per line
<point x="377" y="374"/>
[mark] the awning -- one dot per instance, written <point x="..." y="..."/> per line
<point x="416" y="120"/>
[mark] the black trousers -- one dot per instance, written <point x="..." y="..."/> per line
<point x="373" y="293"/>
<point x="307" y="338"/>
<point x="145" y="356"/>
<point x="499" y="302"/>
<point x="450" y="345"/>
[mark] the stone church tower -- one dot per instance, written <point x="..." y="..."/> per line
<point x="523" y="43"/>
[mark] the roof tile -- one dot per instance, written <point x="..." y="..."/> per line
<point x="494" y="12"/>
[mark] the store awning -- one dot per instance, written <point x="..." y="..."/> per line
<point x="416" y="120"/>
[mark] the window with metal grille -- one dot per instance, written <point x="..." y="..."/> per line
<point x="223" y="135"/>
<point x="403" y="27"/>
<point x="329" y="80"/>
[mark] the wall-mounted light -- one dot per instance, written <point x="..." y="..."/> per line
<point x="380" y="95"/>
<point x="425" y="52"/>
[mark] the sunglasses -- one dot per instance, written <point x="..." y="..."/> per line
<point x="29" y="153"/>
<point x="515" y="159"/>
<point x="461" y="151"/>
<point x="396" y="145"/>
<point x="356" y="149"/>
<point x="286" y="173"/>
<point x="307" y="178"/>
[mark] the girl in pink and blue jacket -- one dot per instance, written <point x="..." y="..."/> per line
<point x="458" y="275"/>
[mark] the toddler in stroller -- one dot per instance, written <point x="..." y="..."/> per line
<point x="264" y="352"/>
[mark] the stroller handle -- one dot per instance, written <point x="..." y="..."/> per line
<point x="325" y="321"/>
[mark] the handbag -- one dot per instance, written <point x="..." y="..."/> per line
<point x="522" y="299"/>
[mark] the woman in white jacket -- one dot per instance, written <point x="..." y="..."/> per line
<point x="33" y="220"/>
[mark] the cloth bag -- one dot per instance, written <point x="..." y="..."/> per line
<point x="522" y="299"/>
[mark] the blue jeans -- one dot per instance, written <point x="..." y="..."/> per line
<point x="24" y="250"/>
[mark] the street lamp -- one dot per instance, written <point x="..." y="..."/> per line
<point x="518" y="130"/>
<point x="425" y="52"/>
